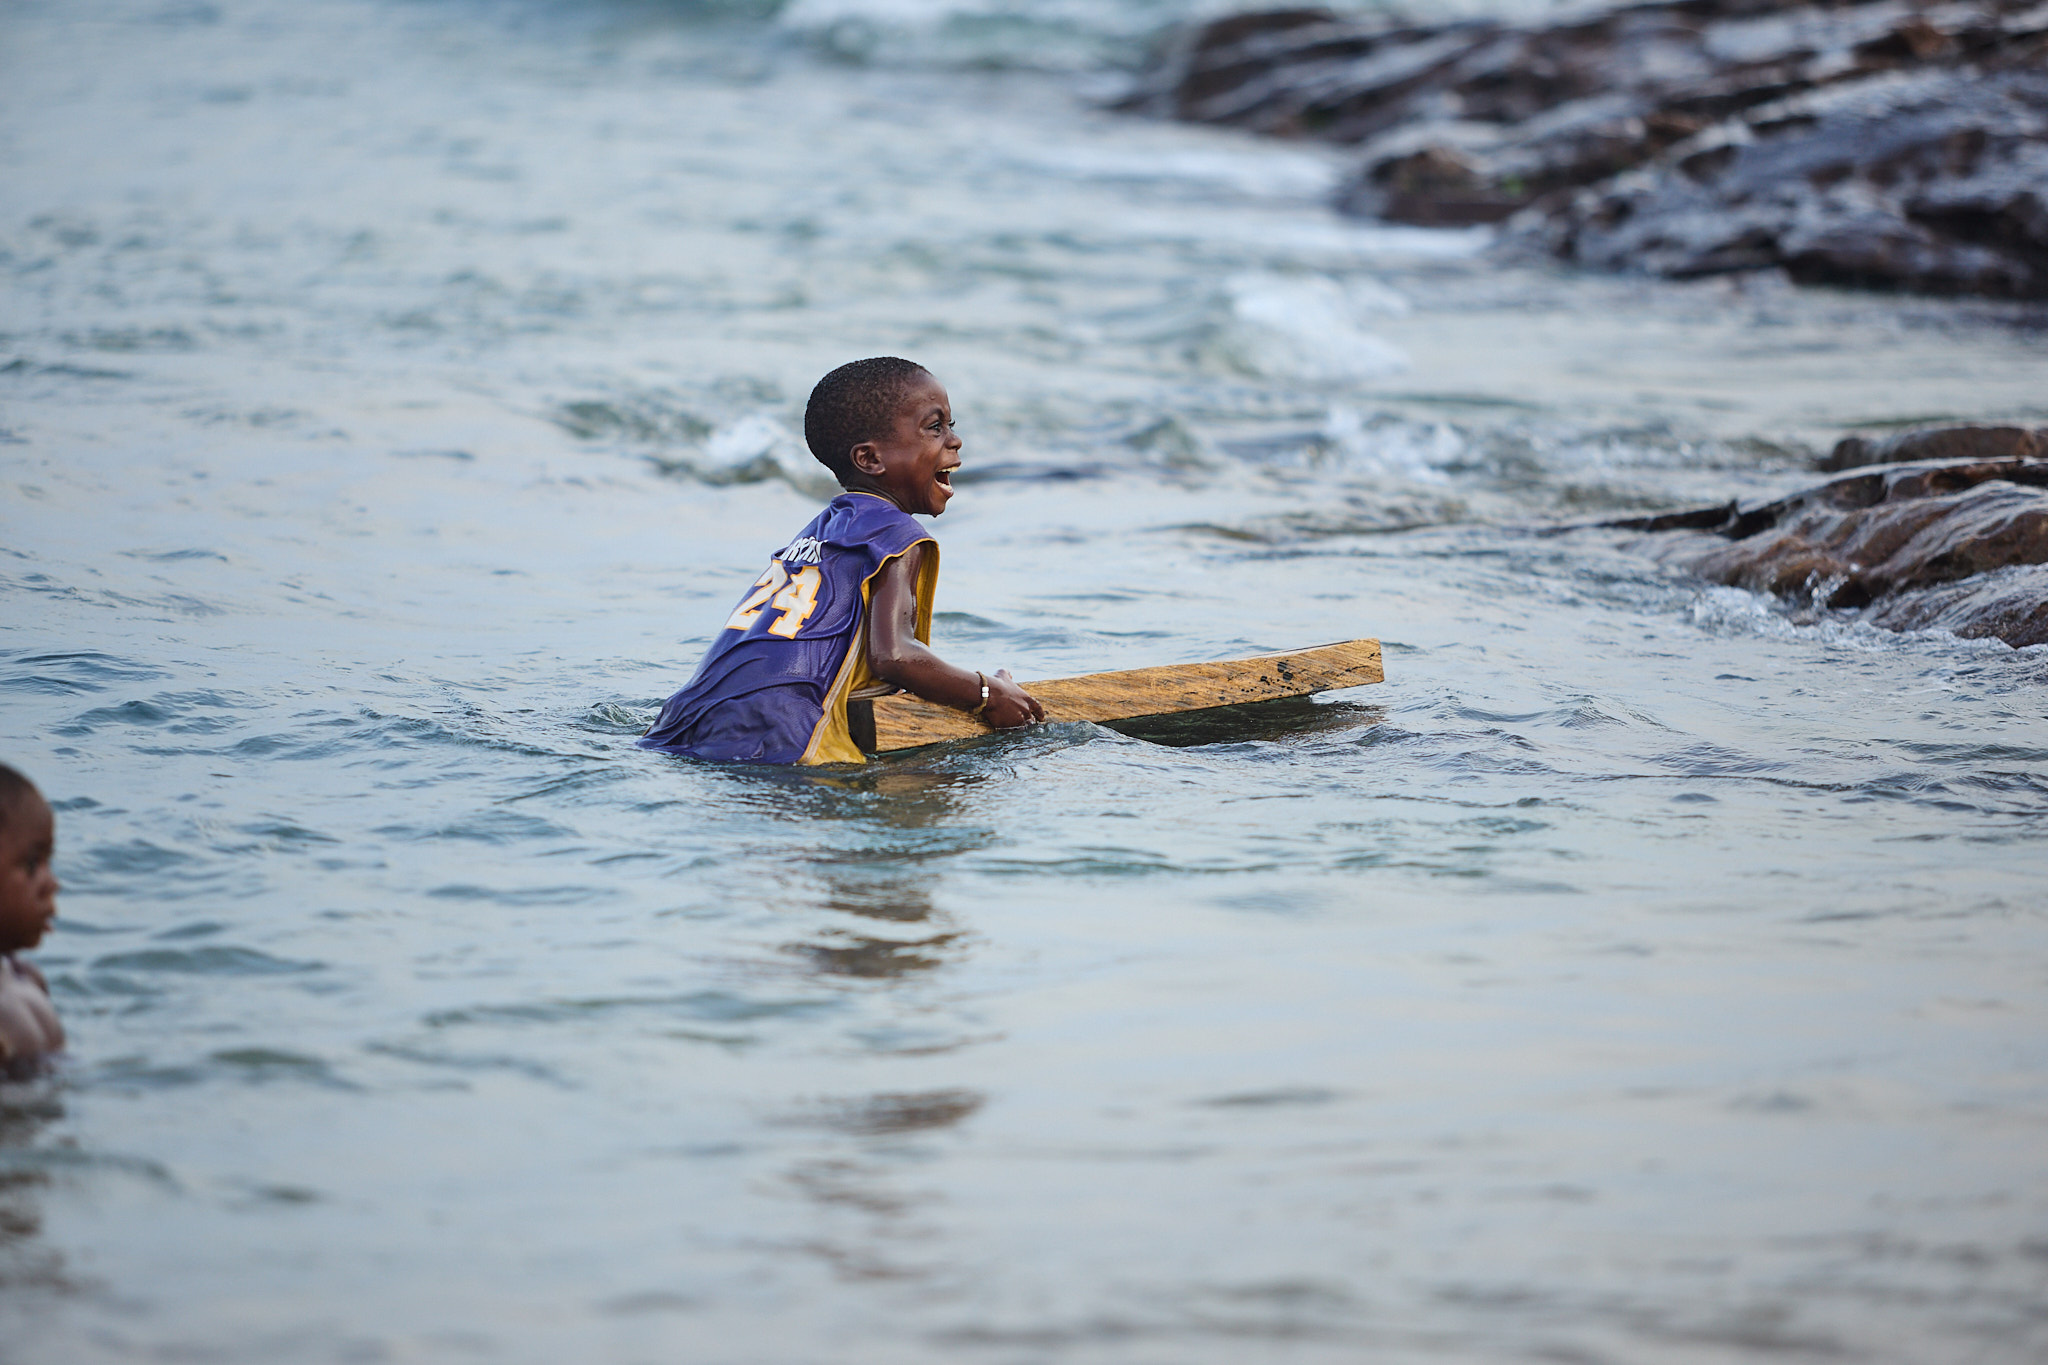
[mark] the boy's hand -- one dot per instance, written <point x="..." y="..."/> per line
<point x="896" y="655"/>
<point x="1009" y="705"/>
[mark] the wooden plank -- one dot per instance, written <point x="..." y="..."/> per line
<point x="904" y="722"/>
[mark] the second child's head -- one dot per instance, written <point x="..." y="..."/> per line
<point x="885" y="426"/>
<point x="28" y="838"/>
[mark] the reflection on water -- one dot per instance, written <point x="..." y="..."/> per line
<point x="890" y="1115"/>
<point x="27" y="1261"/>
<point x="884" y="1224"/>
<point x="895" y="899"/>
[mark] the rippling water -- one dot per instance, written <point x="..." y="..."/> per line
<point x="394" y="395"/>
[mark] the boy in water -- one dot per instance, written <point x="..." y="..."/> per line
<point x="29" y="1030"/>
<point x="847" y="604"/>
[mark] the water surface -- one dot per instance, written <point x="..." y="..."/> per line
<point x="394" y="396"/>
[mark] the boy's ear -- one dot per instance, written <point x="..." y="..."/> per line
<point x="867" y="458"/>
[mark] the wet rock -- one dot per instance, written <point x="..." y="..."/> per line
<point x="1872" y="143"/>
<point x="1960" y="545"/>
<point x="2011" y="605"/>
<point x="1939" y="443"/>
<point x="1936" y="183"/>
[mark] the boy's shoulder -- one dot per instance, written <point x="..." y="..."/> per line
<point x="857" y="521"/>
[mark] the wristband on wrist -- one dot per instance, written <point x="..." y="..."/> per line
<point x="983" y="679"/>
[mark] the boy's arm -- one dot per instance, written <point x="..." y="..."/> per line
<point x="895" y="655"/>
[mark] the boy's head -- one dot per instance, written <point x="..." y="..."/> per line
<point x="28" y="888"/>
<point x="885" y="426"/>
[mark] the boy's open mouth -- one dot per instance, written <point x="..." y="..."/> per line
<point x="945" y="476"/>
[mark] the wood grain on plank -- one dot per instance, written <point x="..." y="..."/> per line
<point x="904" y="722"/>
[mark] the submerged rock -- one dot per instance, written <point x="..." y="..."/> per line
<point x="1959" y="545"/>
<point x="1874" y="142"/>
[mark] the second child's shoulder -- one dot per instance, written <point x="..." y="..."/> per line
<point x="28" y="1021"/>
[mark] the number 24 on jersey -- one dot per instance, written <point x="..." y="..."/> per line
<point x="796" y="598"/>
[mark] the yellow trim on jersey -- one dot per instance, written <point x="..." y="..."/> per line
<point x="832" y="740"/>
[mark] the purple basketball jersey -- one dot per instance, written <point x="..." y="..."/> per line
<point x="772" y="688"/>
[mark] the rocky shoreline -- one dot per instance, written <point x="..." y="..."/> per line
<point x="1889" y="144"/>
<point x="1877" y="143"/>
<point x="1957" y="544"/>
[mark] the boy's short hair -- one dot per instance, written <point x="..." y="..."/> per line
<point x="855" y="403"/>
